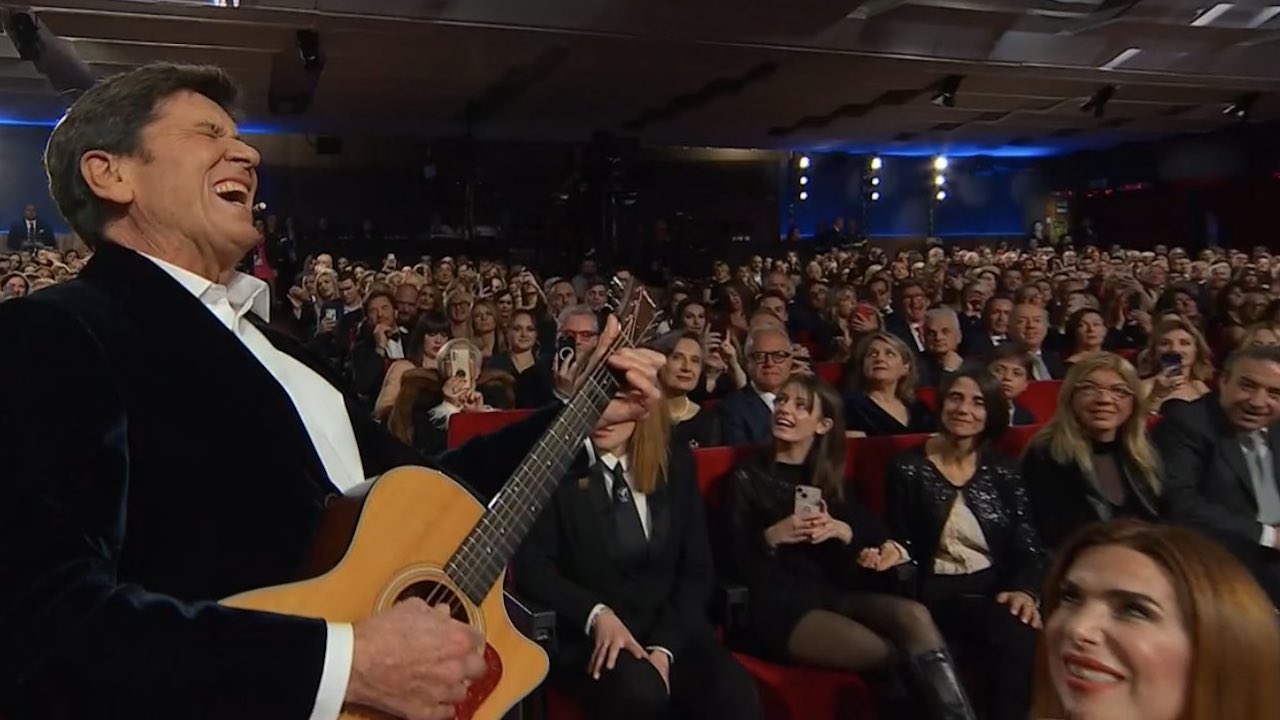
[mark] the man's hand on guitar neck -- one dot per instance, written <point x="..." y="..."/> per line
<point x="638" y="371"/>
<point x="414" y="661"/>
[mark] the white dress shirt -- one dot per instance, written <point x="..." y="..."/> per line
<point x="323" y="412"/>
<point x="769" y="399"/>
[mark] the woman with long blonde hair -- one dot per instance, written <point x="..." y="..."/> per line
<point x="623" y="556"/>
<point x="1154" y="622"/>
<point x="1177" y="364"/>
<point x="1093" y="460"/>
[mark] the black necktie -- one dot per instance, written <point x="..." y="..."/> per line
<point x="626" y="518"/>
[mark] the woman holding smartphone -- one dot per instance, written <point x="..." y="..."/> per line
<point x="1177" y="364"/>
<point x="796" y="538"/>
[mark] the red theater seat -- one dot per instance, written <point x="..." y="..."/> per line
<point x="929" y="396"/>
<point x="1041" y="398"/>
<point x="830" y="372"/>
<point x="802" y="693"/>
<point x="870" y="458"/>
<point x="1014" y="441"/>
<point x="464" y="426"/>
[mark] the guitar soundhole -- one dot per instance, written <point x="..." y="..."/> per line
<point x="434" y="593"/>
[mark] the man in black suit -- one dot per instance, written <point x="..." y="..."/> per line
<point x="993" y="331"/>
<point x="29" y="233"/>
<point x="1220" y="461"/>
<point x="746" y="414"/>
<point x="174" y="483"/>
<point x="908" y="323"/>
<point x="1028" y="327"/>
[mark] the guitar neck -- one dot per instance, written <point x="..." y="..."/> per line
<point x="485" y="553"/>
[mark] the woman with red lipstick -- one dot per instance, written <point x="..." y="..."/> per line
<point x="960" y="513"/>
<point x="1093" y="461"/>
<point x="1150" y="622"/>
<point x="810" y="601"/>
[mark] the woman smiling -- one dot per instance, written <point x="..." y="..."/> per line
<point x="1148" y="622"/>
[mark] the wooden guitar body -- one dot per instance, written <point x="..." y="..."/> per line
<point x="391" y="539"/>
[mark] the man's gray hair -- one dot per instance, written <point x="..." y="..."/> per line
<point x="945" y="314"/>
<point x="752" y="338"/>
<point x="575" y="310"/>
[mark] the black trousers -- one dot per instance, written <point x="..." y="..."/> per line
<point x="706" y="682"/>
<point x="966" y="612"/>
<point x="1262" y="562"/>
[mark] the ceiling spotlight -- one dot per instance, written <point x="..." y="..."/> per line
<point x="1241" y="108"/>
<point x="942" y="195"/>
<point x="875" y="195"/>
<point x="946" y="95"/>
<point x="875" y="181"/>
<point x="876" y="162"/>
<point x="1097" y="103"/>
<point x="804" y="179"/>
<point x="940" y="163"/>
<point x="939" y="180"/>
<point x="805" y="162"/>
<point x="804" y="196"/>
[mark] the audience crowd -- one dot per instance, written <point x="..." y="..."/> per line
<point x="1169" y="370"/>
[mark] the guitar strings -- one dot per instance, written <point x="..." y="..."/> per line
<point x="593" y="381"/>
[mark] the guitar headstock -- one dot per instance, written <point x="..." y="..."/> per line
<point x="637" y="313"/>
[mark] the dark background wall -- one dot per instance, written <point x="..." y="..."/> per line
<point x="1220" y="188"/>
<point x="532" y="191"/>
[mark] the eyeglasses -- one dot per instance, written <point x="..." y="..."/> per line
<point x="1116" y="392"/>
<point x="777" y="357"/>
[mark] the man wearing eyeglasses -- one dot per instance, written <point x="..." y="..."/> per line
<point x="746" y="415"/>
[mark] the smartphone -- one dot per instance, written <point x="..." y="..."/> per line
<point x="1171" y="362"/>
<point x="331" y="314"/>
<point x="460" y="363"/>
<point x="566" y="349"/>
<point x="808" y="500"/>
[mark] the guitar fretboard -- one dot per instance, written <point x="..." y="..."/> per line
<point x="485" y="553"/>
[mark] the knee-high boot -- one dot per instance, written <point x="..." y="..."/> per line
<point x="935" y="674"/>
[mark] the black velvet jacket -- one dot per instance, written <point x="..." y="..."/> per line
<point x="920" y="499"/>
<point x="150" y="465"/>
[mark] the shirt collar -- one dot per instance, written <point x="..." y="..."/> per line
<point x="610" y="460"/>
<point x="244" y="293"/>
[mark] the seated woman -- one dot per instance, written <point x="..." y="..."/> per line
<point x="425" y="341"/>
<point x="1086" y="333"/>
<point x="1093" y="460"/>
<point x="810" y="601"/>
<point x="722" y="371"/>
<point x="1177" y="364"/>
<point x="484" y="329"/>
<point x="1011" y="367"/>
<point x="431" y="396"/>
<point x="1153" y="622"/>
<point x="519" y="360"/>
<point x="691" y="424"/>
<point x="623" y="558"/>
<point x="960" y="511"/>
<point x="882" y="397"/>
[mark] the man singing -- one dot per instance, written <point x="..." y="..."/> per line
<point x="164" y="449"/>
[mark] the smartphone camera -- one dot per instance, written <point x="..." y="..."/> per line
<point x="566" y="349"/>
<point x="1171" y="361"/>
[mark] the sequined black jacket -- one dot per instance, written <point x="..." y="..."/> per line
<point x="920" y="498"/>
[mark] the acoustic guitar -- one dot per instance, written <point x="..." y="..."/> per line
<point x="414" y="532"/>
